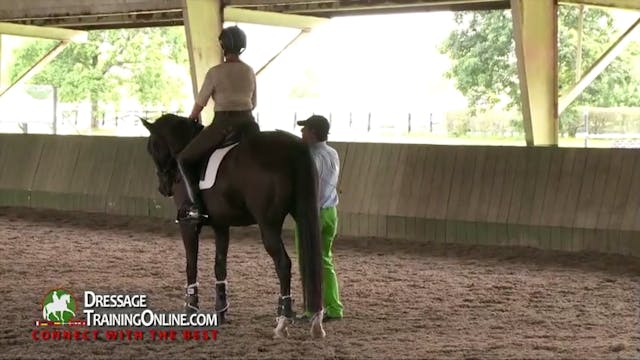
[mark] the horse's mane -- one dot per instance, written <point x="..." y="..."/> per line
<point x="177" y="125"/>
<point x="176" y="130"/>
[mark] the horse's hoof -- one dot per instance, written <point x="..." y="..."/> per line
<point x="222" y="318"/>
<point x="280" y="334"/>
<point x="281" y="331"/>
<point x="190" y="309"/>
<point x="317" y="332"/>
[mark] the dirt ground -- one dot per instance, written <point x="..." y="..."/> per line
<point x="401" y="300"/>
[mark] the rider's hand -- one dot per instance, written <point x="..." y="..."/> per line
<point x="196" y="119"/>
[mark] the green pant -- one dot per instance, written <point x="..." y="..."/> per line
<point x="328" y="231"/>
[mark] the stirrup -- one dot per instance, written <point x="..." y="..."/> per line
<point x="193" y="214"/>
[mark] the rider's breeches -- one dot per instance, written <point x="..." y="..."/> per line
<point x="212" y="136"/>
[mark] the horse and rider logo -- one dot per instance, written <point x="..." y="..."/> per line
<point x="58" y="306"/>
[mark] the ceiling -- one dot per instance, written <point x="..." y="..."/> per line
<point x="95" y="14"/>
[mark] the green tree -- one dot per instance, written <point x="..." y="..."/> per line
<point x="484" y="65"/>
<point x="112" y="63"/>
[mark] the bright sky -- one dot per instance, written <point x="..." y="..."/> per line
<point x="358" y="65"/>
<point x="361" y="61"/>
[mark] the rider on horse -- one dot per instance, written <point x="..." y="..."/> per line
<point x="232" y="86"/>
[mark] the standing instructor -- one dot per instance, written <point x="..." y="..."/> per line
<point x="314" y="133"/>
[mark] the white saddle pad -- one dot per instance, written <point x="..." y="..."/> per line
<point x="212" y="166"/>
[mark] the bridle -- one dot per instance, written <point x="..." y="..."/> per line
<point x="169" y="172"/>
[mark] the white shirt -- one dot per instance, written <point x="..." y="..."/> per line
<point x="328" y="166"/>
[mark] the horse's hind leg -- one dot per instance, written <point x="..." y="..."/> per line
<point x="222" y="248"/>
<point x="190" y="237"/>
<point x="271" y="237"/>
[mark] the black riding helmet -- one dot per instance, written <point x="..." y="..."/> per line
<point x="233" y="40"/>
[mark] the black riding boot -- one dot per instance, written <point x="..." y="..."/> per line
<point x="193" y="212"/>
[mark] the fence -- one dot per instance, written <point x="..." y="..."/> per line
<point x="548" y="198"/>
<point x="597" y="128"/>
<point x="344" y="125"/>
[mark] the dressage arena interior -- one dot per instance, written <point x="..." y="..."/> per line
<point x="443" y="252"/>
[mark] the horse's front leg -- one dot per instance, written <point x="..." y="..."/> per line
<point x="222" y="248"/>
<point x="190" y="237"/>
<point x="272" y="240"/>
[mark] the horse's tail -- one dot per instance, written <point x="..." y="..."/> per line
<point x="307" y="219"/>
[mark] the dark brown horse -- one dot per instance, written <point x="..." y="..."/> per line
<point x="265" y="177"/>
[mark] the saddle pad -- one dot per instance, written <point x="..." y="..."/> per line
<point x="212" y="167"/>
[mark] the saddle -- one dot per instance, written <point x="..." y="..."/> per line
<point x="233" y="137"/>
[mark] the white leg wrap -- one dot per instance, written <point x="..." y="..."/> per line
<point x="282" y="328"/>
<point x="191" y="288"/>
<point x="317" y="332"/>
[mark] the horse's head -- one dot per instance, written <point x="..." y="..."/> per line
<point x="166" y="167"/>
<point x="66" y="298"/>
<point x="168" y="135"/>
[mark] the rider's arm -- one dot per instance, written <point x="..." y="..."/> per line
<point x="195" y="112"/>
<point x="254" y="96"/>
<point x="205" y="93"/>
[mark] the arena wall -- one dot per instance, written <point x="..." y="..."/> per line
<point x="548" y="198"/>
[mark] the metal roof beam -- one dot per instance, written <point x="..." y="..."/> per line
<point x="301" y="22"/>
<point x="598" y="67"/>
<point x="64" y="36"/>
<point x="361" y="7"/>
<point x="110" y="21"/>
<point x="618" y="4"/>
<point x="107" y="14"/>
<point x="43" y="32"/>
<point x="38" y="66"/>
